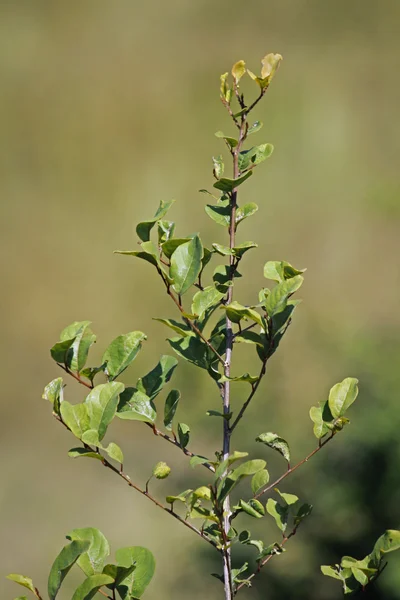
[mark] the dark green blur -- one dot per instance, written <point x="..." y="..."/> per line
<point x="108" y="107"/>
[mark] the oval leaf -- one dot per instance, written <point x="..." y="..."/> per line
<point x="92" y="561"/>
<point x="342" y="396"/>
<point x="89" y="588"/>
<point x="121" y="352"/>
<point x="186" y="265"/>
<point x="63" y="563"/>
<point x="135" y="585"/>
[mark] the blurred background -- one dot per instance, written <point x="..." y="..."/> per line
<point x="109" y="107"/>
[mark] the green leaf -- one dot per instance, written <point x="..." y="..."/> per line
<point x="278" y="512"/>
<point x="253" y="507"/>
<point x="218" y="166"/>
<point x="143" y="229"/>
<point x="76" y="417"/>
<point x="101" y="404"/>
<point x="152" y="383"/>
<point x="61" y="352"/>
<point x="223" y="278"/>
<point x="254" y="156"/>
<point x="225" y="90"/>
<point x="217" y="413"/>
<point x="232" y="142"/>
<point x="289" y="499"/>
<point x="228" y="185"/>
<point x="53" y="392"/>
<point x="388" y="542"/>
<point x="121" y="352"/>
<point x="91" y="372"/>
<point x="259" y="480"/>
<point x="342" y="396"/>
<point x="181" y="497"/>
<point x="176" y="326"/>
<point x="255" y="127"/>
<point x="186" y="265"/>
<point x="234" y="457"/>
<point x="115" y="452"/>
<point x="26" y="582"/>
<point x="245" y="211"/>
<point x="244" y="470"/>
<point x="165" y="231"/>
<point x="183" y="434"/>
<point x="270" y="64"/>
<point x="246" y="378"/>
<point x="276" y="442"/>
<point x="205" y="299"/>
<point x="220" y="213"/>
<point x="317" y="417"/>
<point x="277" y="299"/>
<point x="77" y="452"/>
<point x="192" y="349"/>
<point x="171" y="404"/>
<point x="83" y="338"/>
<point x="250" y="337"/>
<point x="118" y="574"/>
<point x="280" y="270"/>
<point x="135" y="585"/>
<point x="89" y="588"/>
<point x="169" y="247"/>
<point x="303" y="512"/>
<point x="92" y="561"/>
<point x="236" y="312"/>
<point x="237" y="251"/>
<point x="148" y="253"/>
<point x="134" y="405"/>
<point x="198" y="460"/>
<point x="63" y="563"/>
<point x="238" y="70"/>
<point x="248" y="468"/>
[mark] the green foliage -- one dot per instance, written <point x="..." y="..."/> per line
<point x="88" y="549"/>
<point x="206" y="337"/>
<point x="355" y="574"/>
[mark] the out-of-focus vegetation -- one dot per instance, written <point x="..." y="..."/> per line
<point x="106" y="108"/>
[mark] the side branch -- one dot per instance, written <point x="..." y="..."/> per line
<point x="156" y="431"/>
<point x="292" y="469"/>
<point x="144" y="492"/>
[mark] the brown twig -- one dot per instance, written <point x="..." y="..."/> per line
<point x="128" y="480"/>
<point x="77" y="377"/>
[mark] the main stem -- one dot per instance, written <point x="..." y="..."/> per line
<point x="226" y="392"/>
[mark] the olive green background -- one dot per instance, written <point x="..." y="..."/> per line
<point x="106" y="107"/>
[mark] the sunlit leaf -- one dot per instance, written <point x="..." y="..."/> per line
<point x="63" y="563"/>
<point x="144" y="228"/>
<point x="135" y="405"/>
<point x="276" y="442"/>
<point x="121" y="352"/>
<point x="342" y="396"/>
<point x="91" y="561"/>
<point x="152" y="383"/>
<point x="186" y="265"/>
<point x="135" y="585"/>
